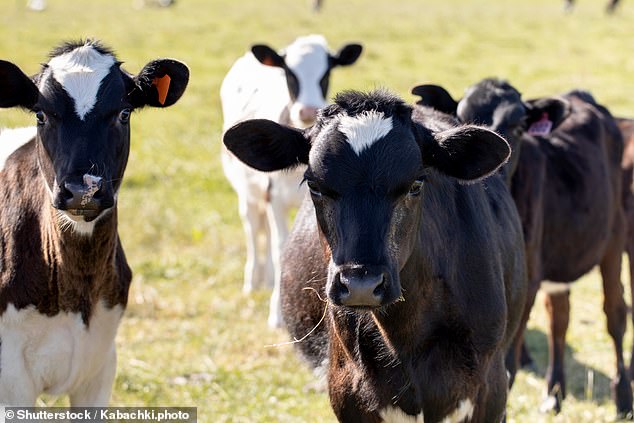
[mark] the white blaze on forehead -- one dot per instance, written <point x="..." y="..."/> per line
<point x="365" y="129"/>
<point x="80" y="73"/>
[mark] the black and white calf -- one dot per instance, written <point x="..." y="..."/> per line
<point x="287" y="87"/>
<point x="64" y="278"/>
<point x="419" y="255"/>
<point x="565" y="177"/>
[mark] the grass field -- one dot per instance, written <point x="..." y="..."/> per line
<point x="189" y="337"/>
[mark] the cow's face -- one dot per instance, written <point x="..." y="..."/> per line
<point x="307" y="64"/>
<point x="499" y="106"/>
<point x="495" y="104"/>
<point x="367" y="168"/>
<point x="82" y="102"/>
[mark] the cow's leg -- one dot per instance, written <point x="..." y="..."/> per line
<point x="612" y="6"/>
<point x="277" y="217"/>
<point x="514" y="353"/>
<point x="616" y="312"/>
<point x="96" y="391"/>
<point x="252" y="223"/>
<point x="526" y="361"/>
<point x="630" y="256"/>
<point x="558" y="309"/>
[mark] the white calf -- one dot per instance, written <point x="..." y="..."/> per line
<point x="286" y="87"/>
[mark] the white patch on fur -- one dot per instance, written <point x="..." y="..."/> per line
<point x="395" y="415"/>
<point x="365" y="129"/>
<point x="307" y="57"/>
<point x="12" y="139"/>
<point x="554" y="288"/>
<point x="460" y="414"/>
<point x="77" y="224"/>
<point x="80" y="73"/>
<point x="57" y="355"/>
<point x="93" y="183"/>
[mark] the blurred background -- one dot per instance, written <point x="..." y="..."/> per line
<point x="189" y="336"/>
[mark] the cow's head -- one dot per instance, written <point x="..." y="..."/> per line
<point x="497" y="105"/>
<point x="369" y="165"/>
<point x="82" y="101"/>
<point x="307" y="64"/>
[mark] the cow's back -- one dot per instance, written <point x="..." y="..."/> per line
<point x="581" y="161"/>
<point x="251" y="90"/>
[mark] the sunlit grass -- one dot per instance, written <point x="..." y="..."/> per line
<point x="190" y="337"/>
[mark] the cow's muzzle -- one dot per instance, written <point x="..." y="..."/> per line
<point x="360" y="286"/>
<point x="87" y="199"/>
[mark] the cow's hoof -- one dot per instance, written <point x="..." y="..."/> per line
<point x="622" y="394"/>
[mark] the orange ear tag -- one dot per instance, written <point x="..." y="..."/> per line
<point x="162" y="86"/>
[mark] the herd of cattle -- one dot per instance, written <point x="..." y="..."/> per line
<point x="416" y="255"/>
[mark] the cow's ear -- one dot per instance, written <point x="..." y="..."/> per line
<point x="266" y="145"/>
<point x="16" y="89"/>
<point x="347" y="55"/>
<point x="159" y="84"/>
<point x="552" y="108"/>
<point x="267" y="56"/>
<point x="436" y="97"/>
<point x="467" y="153"/>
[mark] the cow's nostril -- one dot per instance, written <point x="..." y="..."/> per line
<point x="379" y="290"/>
<point x="67" y="194"/>
<point x="98" y="195"/>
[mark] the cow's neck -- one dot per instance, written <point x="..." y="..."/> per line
<point x="83" y="268"/>
<point x="89" y="252"/>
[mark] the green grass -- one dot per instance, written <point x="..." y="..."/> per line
<point x="189" y="336"/>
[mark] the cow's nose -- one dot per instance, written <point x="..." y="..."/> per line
<point x="87" y="199"/>
<point x="308" y="114"/>
<point x="80" y="196"/>
<point x="359" y="288"/>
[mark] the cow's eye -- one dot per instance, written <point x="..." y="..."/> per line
<point x="124" y="116"/>
<point x="41" y="117"/>
<point x="313" y="188"/>
<point x="416" y="188"/>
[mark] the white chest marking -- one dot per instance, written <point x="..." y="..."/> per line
<point x="55" y="355"/>
<point x="80" y="72"/>
<point x="460" y="414"/>
<point x="12" y="139"/>
<point x="395" y="415"/>
<point x="555" y="288"/>
<point x="364" y="129"/>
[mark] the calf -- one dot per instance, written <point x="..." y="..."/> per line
<point x="566" y="183"/>
<point x="286" y="88"/>
<point x="420" y="258"/>
<point x="64" y="278"/>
